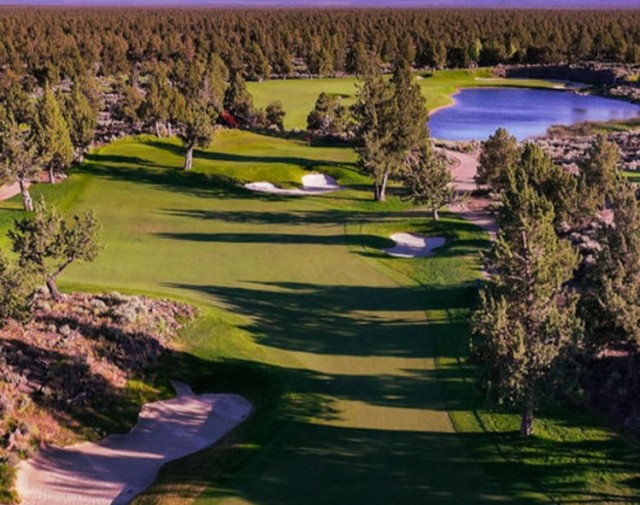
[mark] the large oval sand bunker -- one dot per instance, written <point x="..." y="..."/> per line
<point x="119" y="467"/>
<point x="312" y="184"/>
<point x="411" y="245"/>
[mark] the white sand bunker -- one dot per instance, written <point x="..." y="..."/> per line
<point x="312" y="184"/>
<point x="119" y="467"/>
<point x="411" y="245"/>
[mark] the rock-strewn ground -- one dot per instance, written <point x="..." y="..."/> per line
<point x="71" y="362"/>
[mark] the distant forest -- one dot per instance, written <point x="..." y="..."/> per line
<point x="51" y="44"/>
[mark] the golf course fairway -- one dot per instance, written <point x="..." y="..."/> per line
<point x="333" y="343"/>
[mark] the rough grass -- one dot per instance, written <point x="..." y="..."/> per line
<point x="329" y="339"/>
<point x="299" y="95"/>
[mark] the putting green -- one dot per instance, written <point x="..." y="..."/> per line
<point x="299" y="95"/>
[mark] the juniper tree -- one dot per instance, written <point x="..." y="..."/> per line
<point x="328" y="117"/>
<point x="391" y="123"/>
<point x="599" y="177"/>
<point x="157" y="102"/>
<point x="46" y="243"/>
<point x="127" y="107"/>
<point x="196" y="130"/>
<point x="82" y="120"/>
<point x="610" y="301"/>
<point x="372" y="112"/>
<point x="428" y="181"/>
<point x="16" y="290"/>
<point x="526" y="318"/>
<point x="552" y="181"/>
<point x="275" y="114"/>
<point x="239" y="102"/>
<point x="499" y="153"/>
<point x="53" y="136"/>
<point x="18" y="155"/>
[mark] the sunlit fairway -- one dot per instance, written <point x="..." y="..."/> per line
<point x="299" y="95"/>
<point x="352" y="359"/>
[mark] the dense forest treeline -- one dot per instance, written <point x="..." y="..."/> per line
<point x="55" y="43"/>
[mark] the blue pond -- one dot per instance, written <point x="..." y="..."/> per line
<point x="478" y="112"/>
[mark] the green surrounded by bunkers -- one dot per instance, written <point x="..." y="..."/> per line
<point x="355" y="362"/>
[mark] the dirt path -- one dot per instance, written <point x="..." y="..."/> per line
<point x="9" y="191"/>
<point x="475" y="210"/>
<point x="119" y="467"/>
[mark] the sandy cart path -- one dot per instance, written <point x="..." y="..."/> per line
<point x="475" y="210"/>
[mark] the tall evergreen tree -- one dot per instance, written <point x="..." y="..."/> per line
<point x="18" y="155"/>
<point x="392" y="123"/>
<point x="610" y="301"/>
<point x="156" y="106"/>
<point x="499" y="154"/>
<point x="599" y="176"/>
<point x="409" y="113"/>
<point x="52" y="131"/>
<point x="372" y="113"/>
<point x="196" y="130"/>
<point x="82" y="120"/>
<point x="428" y="181"/>
<point x="526" y="318"/>
<point x="328" y="117"/>
<point x="239" y="102"/>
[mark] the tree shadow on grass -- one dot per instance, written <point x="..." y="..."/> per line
<point x="329" y="217"/>
<point x="294" y="446"/>
<point x="305" y="163"/>
<point x="335" y="319"/>
<point x="168" y="179"/>
<point x="281" y="239"/>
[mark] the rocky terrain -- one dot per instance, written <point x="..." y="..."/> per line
<point x="568" y="150"/>
<point x="64" y="370"/>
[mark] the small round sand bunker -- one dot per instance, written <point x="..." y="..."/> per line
<point x="312" y="184"/>
<point x="412" y="245"/>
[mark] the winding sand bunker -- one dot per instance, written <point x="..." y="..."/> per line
<point x="119" y="467"/>
<point x="411" y="245"/>
<point x="312" y="184"/>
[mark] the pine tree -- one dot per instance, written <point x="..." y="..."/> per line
<point x="82" y="120"/>
<point x="599" y="177"/>
<point x="526" y="319"/>
<point x="410" y="115"/>
<point x="52" y="132"/>
<point x="196" y="130"/>
<point x="328" y="117"/>
<point x="275" y="114"/>
<point x="500" y="152"/>
<point x="18" y="155"/>
<point x="372" y="113"/>
<point x="391" y="123"/>
<point x="552" y="181"/>
<point x="428" y="181"/>
<point x="610" y="301"/>
<point x="239" y="102"/>
<point x="157" y="102"/>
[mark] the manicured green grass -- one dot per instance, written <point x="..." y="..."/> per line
<point x="299" y="95"/>
<point x="328" y="338"/>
